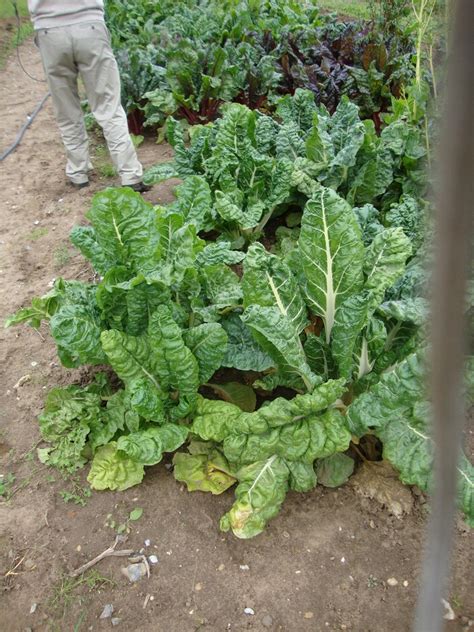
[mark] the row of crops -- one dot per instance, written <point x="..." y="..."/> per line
<point x="268" y="326"/>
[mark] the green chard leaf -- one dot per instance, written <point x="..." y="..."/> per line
<point x="65" y="422"/>
<point x="334" y="470"/>
<point x="208" y="344"/>
<point x="332" y="252"/>
<point x="243" y="352"/>
<point x="259" y="495"/>
<point x="204" y="472"/>
<point x="112" y="469"/>
<point x="147" y="446"/>
<point x="123" y="231"/>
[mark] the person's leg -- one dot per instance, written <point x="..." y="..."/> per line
<point x="56" y="50"/>
<point x="99" y="71"/>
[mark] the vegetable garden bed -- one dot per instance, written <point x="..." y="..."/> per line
<point x="293" y="255"/>
<point x="323" y="563"/>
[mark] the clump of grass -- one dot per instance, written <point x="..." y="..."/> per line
<point x="65" y="591"/>
<point x="11" y="35"/>
<point x="37" y="233"/>
<point x="62" y="256"/>
<point x="107" y="170"/>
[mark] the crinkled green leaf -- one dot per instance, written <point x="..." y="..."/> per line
<point x="368" y="218"/>
<point x="408" y="214"/>
<point x="396" y="392"/>
<point x="305" y="440"/>
<point x="277" y="335"/>
<point x="147" y="446"/>
<point x="160" y="172"/>
<point x="230" y="211"/>
<point x="268" y="282"/>
<point x="124" y="230"/>
<point x="334" y="470"/>
<point x="302" y="476"/>
<point x="42" y="308"/>
<point x="208" y="344"/>
<point x="259" y="495"/>
<point x="332" y="252"/>
<point x="204" y="472"/>
<point x="155" y="365"/>
<point x="176" y="249"/>
<point x="146" y="399"/>
<point x="68" y="415"/>
<point x="319" y="356"/>
<point x="177" y="368"/>
<point x="347" y="135"/>
<point x="351" y="317"/>
<point x="222" y="285"/>
<point x="112" y="469"/>
<point x="219" y="252"/>
<point x="215" y="420"/>
<point x="411" y="310"/>
<point x="385" y="260"/>
<point x="243" y="352"/>
<point x="194" y="202"/>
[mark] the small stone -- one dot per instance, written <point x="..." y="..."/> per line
<point x="449" y="614"/>
<point x="115" y="621"/>
<point x="34" y="363"/>
<point x="221" y="567"/>
<point x="153" y="559"/>
<point x="249" y="611"/>
<point x="198" y="587"/>
<point x="135" y="572"/>
<point x="147" y="542"/>
<point x="405" y="583"/>
<point x="29" y="564"/>
<point x="391" y="581"/>
<point x="285" y="534"/>
<point x="343" y="560"/>
<point x="78" y="548"/>
<point x="267" y="621"/>
<point x="372" y="524"/>
<point x="36" y="222"/>
<point x="33" y="608"/>
<point x="308" y="615"/>
<point x="107" y="611"/>
<point x="244" y="567"/>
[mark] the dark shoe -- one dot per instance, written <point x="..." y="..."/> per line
<point x="139" y="187"/>
<point x="79" y="185"/>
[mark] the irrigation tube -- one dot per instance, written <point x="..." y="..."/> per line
<point x="454" y="233"/>
<point x="25" y="126"/>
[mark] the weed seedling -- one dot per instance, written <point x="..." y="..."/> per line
<point x="77" y="494"/>
<point x="124" y="527"/>
<point x="6" y="484"/>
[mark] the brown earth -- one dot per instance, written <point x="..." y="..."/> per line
<point x="322" y="564"/>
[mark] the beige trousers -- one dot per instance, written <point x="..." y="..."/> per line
<point x="84" y="49"/>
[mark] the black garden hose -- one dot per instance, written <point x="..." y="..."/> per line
<point x="24" y="127"/>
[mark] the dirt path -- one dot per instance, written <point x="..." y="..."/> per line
<point x="323" y="564"/>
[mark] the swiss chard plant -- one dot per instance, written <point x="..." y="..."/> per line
<point x="324" y="340"/>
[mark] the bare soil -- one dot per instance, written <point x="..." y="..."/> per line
<point x="322" y="564"/>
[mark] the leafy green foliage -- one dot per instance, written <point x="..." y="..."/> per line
<point x="273" y="311"/>
<point x="187" y="58"/>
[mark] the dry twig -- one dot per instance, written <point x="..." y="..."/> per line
<point x="110" y="552"/>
